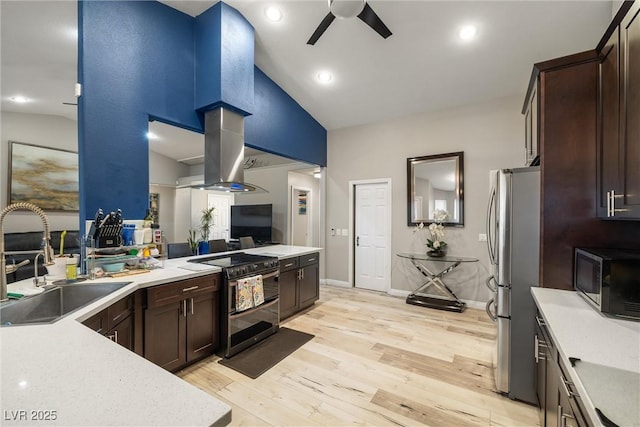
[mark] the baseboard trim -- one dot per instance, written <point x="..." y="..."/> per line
<point x="399" y="292"/>
<point x="332" y="282"/>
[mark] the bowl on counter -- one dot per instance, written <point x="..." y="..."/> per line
<point x="113" y="267"/>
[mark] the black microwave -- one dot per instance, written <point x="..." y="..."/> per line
<point x="609" y="279"/>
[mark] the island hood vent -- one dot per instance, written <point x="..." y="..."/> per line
<point x="224" y="152"/>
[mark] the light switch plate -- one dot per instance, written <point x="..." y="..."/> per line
<point x="345" y="232"/>
<point x="482" y="237"/>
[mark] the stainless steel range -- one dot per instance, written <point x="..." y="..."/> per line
<point x="245" y="323"/>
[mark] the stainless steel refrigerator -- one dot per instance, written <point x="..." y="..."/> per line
<point x="513" y="241"/>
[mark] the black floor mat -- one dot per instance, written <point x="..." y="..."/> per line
<point x="259" y="358"/>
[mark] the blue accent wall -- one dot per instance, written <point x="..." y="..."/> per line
<point x="225" y="57"/>
<point x="140" y="60"/>
<point x="280" y="125"/>
<point x="137" y="59"/>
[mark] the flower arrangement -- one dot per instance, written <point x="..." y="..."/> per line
<point x="435" y="240"/>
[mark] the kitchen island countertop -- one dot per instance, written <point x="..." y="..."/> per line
<point x="66" y="374"/>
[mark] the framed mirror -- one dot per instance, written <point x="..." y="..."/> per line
<point x="435" y="190"/>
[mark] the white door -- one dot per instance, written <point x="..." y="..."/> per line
<point x="221" y="215"/>
<point x="372" y="236"/>
<point x="301" y="213"/>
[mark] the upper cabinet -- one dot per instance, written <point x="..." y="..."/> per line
<point x="618" y="124"/>
<point x="531" y="140"/>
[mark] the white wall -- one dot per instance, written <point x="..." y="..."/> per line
<point x="490" y="134"/>
<point x="165" y="171"/>
<point x="39" y="129"/>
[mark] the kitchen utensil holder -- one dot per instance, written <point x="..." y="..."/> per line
<point x="109" y="236"/>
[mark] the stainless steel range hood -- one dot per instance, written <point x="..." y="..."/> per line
<point x="224" y="152"/>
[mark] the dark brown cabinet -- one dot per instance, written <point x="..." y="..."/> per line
<point x="299" y="283"/>
<point x="558" y="402"/>
<point x="531" y="140"/>
<point x="181" y="321"/>
<point x="619" y="127"/>
<point x="116" y="322"/>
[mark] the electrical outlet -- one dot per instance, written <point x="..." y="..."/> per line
<point x="482" y="237"/>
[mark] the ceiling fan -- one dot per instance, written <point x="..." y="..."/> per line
<point x="349" y="9"/>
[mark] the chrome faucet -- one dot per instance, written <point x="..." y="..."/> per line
<point x="46" y="241"/>
<point x="36" y="280"/>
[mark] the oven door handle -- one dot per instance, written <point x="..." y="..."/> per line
<point x="270" y="275"/>
<point x="264" y="276"/>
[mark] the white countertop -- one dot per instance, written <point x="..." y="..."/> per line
<point x="89" y="380"/>
<point x="608" y="373"/>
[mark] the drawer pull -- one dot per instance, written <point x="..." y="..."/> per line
<point x="311" y="259"/>
<point x="288" y="265"/>
<point x="192" y="288"/>
<point x="566" y="384"/>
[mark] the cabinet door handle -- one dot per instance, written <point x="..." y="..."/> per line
<point x="192" y="288"/>
<point x="611" y="203"/>
<point x="114" y="336"/>
<point x="191" y="302"/>
<point x="302" y="274"/>
<point x="566" y="384"/>
<point x="564" y="419"/>
<point x="540" y="321"/>
<point x="559" y="416"/>
<point x="184" y="308"/>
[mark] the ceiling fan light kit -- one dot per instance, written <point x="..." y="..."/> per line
<point x="345" y="9"/>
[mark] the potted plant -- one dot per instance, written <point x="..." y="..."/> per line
<point x="206" y="221"/>
<point x="193" y="243"/>
<point x="436" y="245"/>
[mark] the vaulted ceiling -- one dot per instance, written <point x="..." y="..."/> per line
<point x="423" y="66"/>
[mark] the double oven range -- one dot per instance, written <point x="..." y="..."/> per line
<point x="243" y="327"/>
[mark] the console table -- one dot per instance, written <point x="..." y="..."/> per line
<point x="446" y="300"/>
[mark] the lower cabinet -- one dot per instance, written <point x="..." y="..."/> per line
<point x="116" y="322"/>
<point x="559" y="404"/>
<point x="299" y="283"/>
<point x="181" y="321"/>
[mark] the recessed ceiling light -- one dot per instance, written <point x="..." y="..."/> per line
<point x="19" y="99"/>
<point x="273" y="14"/>
<point x="324" y="77"/>
<point x="468" y="32"/>
<point x="151" y="135"/>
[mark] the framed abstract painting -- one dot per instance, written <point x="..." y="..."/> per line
<point x="44" y="176"/>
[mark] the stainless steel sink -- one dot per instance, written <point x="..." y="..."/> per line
<point x="55" y="303"/>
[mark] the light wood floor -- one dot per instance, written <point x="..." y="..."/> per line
<point x="374" y="361"/>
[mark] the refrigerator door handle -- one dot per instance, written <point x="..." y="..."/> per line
<point x="493" y="288"/>
<point x="503" y="307"/>
<point x="492" y="315"/>
<point x="490" y="224"/>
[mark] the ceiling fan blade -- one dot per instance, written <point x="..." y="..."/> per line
<point x="321" y="28"/>
<point x="369" y="17"/>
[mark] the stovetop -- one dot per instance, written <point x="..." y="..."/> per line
<point x="240" y="264"/>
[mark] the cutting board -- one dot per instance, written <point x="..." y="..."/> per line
<point x="126" y="273"/>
